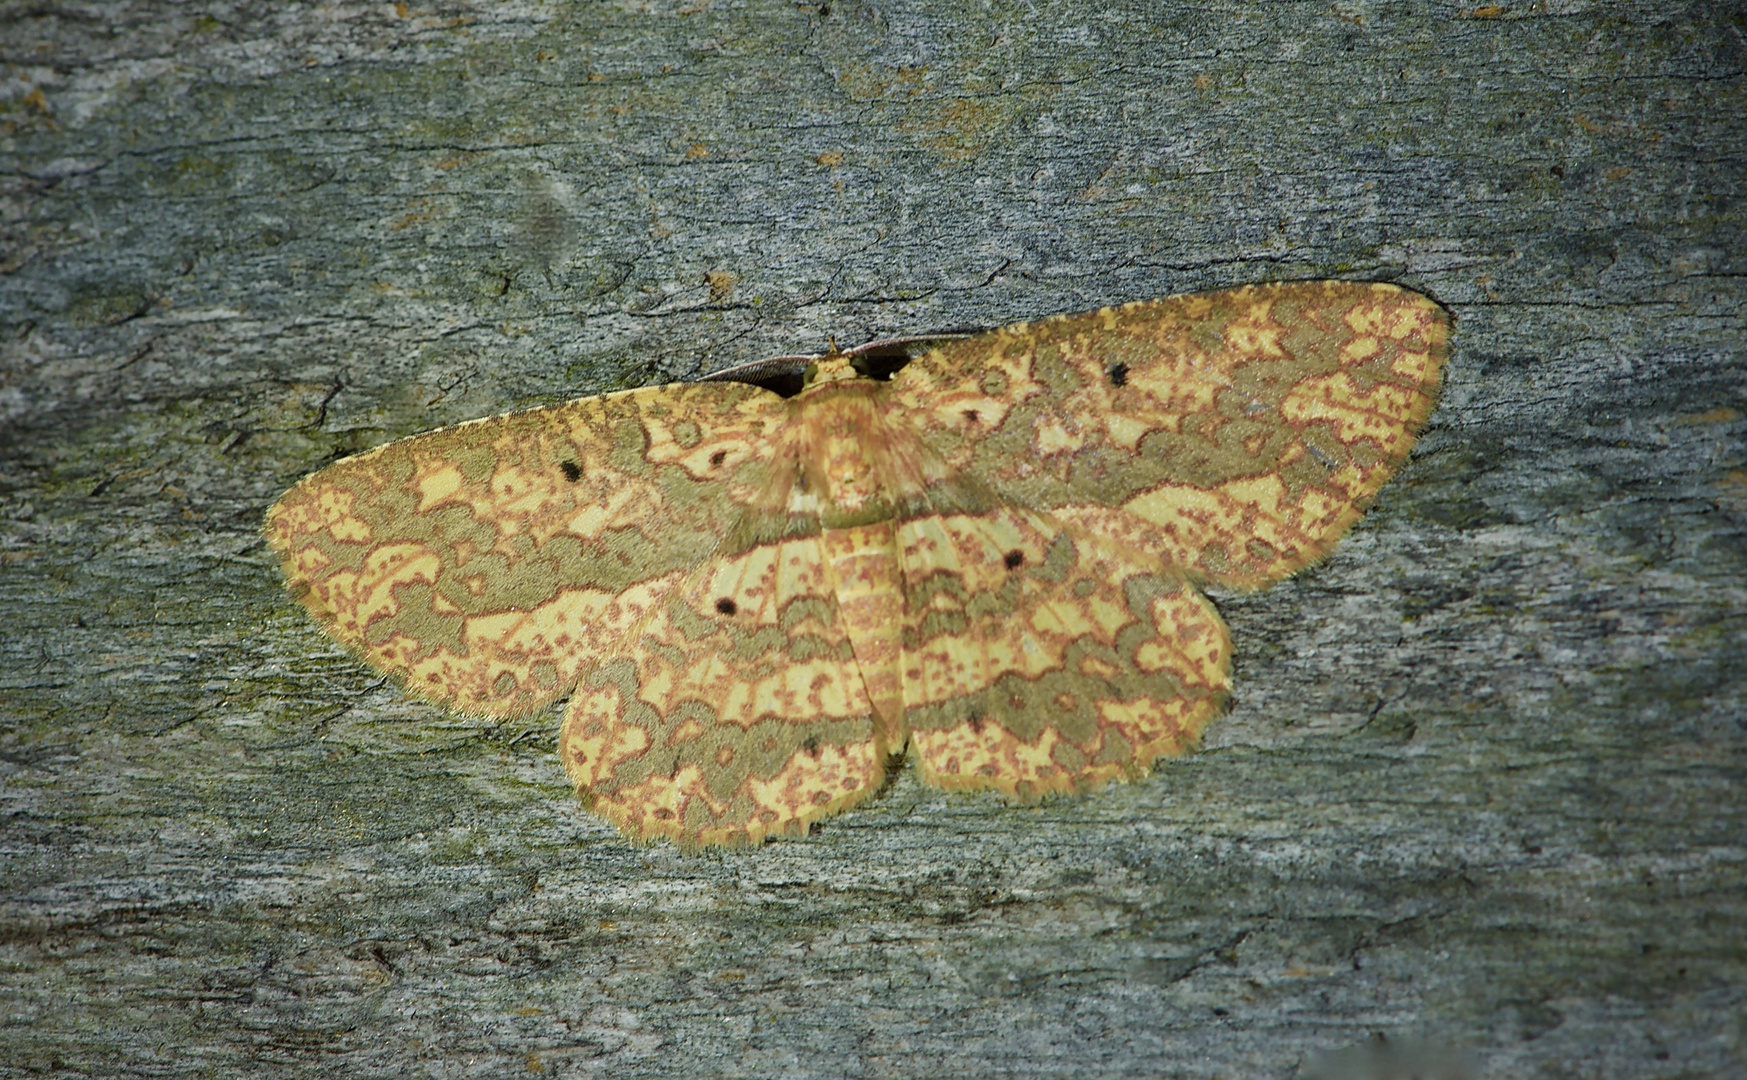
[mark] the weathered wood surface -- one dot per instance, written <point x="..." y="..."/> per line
<point x="1481" y="783"/>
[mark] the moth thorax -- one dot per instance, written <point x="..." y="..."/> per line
<point x="851" y="453"/>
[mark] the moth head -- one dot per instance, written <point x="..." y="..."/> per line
<point x="837" y="367"/>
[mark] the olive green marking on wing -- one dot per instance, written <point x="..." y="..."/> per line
<point x="1236" y="434"/>
<point x="1041" y="660"/>
<point x="487" y="563"/>
<point x="736" y="712"/>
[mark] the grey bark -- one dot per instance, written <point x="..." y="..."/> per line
<point x="1480" y="786"/>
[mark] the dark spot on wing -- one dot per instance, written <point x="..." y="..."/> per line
<point x="727" y="606"/>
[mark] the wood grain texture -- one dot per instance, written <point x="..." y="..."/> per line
<point x="1481" y="779"/>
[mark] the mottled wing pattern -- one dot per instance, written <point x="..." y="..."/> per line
<point x="486" y="563"/>
<point x="736" y="711"/>
<point x="1234" y="434"/>
<point x="1040" y="659"/>
<point x="756" y="602"/>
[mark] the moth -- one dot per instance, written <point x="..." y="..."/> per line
<point x="983" y="555"/>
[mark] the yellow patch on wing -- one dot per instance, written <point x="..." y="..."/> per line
<point x="1040" y="658"/>
<point x="738" y="711"/>
<point x="1242" y="432"/>
<point x="467" y="563"/>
